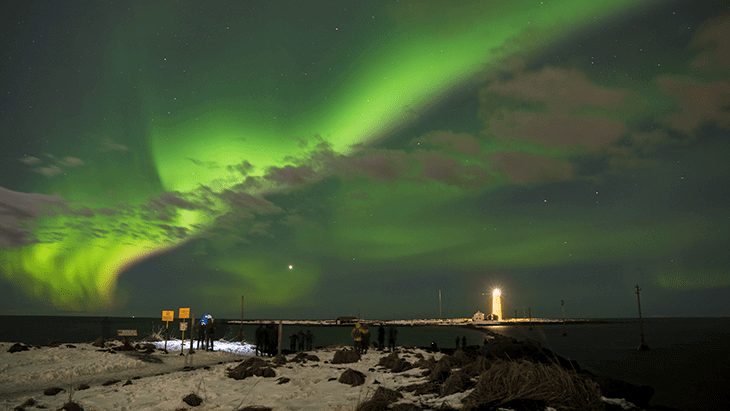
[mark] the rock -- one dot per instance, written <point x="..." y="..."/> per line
<point x="192" y="400"/>
<point x="405" y="407"/>
<point x="345" y="357"/>
<point x="82" y="387"/>
<point x="110" y="382"/>
<point x="52" y="390"/>
<point x="282" y="380"/>
<point x="17" y="347"/>
<point x="129" y="382"/>
<point x="352" y="377"/>
<point x="99" y="342"/>
<point x="639" y="395"/>
<point x="72" y="406"/>
<point x="54" y="343"/>
<point x="304" y="357"/>
<point x="253" y="366"/>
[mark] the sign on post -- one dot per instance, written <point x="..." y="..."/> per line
<point x="184" y="314"/>
<point x="168" y="315"/>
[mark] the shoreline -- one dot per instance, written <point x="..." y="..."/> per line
<point x="421" y="322"/>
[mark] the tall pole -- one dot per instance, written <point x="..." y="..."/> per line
<point x="562" y="305"/>
<point x="529" y="311"/>
<point x="192" y="324"/>
<point x="642" y="345"/>
<point x="278" y="346"/>
<point x="240" y="330"/>
<point x="439" y="304"/>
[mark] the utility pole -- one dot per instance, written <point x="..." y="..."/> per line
<point x="240" y="330"/>
<point x="439" y="305"/>
<point x="562" y="305"/>
<point x="642" y="345"/>
<point x="529" y="311"/>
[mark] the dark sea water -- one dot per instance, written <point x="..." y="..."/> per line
<point x="688" y="363"/>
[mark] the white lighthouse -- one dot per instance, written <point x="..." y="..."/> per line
<point x="497" y="304"/>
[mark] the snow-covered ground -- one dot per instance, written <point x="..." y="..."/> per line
<point x="160" y="381"/>
<point x="312" y="385"/>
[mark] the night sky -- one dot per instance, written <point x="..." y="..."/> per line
<point x="325" y="158"/>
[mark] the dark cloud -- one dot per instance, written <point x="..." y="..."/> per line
<point x="261" y="228"/>
<point x="522" y="168"/>
<point x="71" y="162"/>
<point x="290" y="174"/>
<point x="52" y="170"/>
<point x="210" y="165"/>
<point x="85" y="212"/>
<point x="107" y="144"/>
<point x="561" y="89"/>
<point x="241" y="201"/>
<point x="174" y="199"/>
<point x="31" y="161"/>
<point x="453" y="142"/>
<point x="380" y="165"/>
<point x="552" y="96"/>
<point x="179" y="233"/>
<point x="107" y="211"/>
<point x="437" y="166"/>
<point x="48" y="171"/>
<point x="698" y="103"/>
<point x="243" y="168"/>
<point x="712" y="39"/>
<point x="17" y="208"/>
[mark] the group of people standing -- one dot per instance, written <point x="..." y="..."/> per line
<point x="206" y="332"/>
<point x="267" y="339"/>
<point x="361" y="337"/>
<point x="303" y="339"/>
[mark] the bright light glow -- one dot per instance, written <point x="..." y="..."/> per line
<point x="291" y="266"/>
<point x="497" y="304"/>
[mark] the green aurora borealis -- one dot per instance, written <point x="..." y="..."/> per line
<point x="171" y="154"/>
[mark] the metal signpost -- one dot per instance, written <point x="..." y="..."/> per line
<point x="184" y="314"/>
<point x="167" y="316"/>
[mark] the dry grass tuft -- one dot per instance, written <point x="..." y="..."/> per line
<point x="460" y="358"/>
<point x="506" y="381"/>
<point x="458" y="381"/>
<point x="477" y="367"/>
<point x="381" y="398"/>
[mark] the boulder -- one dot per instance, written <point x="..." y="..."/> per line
<point x="345" y="357"/>
<point x="352" y="377"/>
<point x="17" y="347"/>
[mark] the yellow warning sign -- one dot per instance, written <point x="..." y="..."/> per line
<point x="184" y="313"/>
<point x="168" y="315"/>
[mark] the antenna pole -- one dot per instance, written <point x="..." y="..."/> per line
<point x="642" y="345"/>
